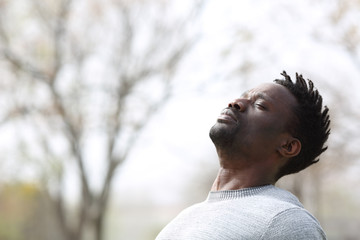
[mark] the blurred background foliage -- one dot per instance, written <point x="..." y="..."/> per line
<point x="106" y="107"/>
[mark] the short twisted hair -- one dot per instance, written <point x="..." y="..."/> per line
<point x="311" y="125"/>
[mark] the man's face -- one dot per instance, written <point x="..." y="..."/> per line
<point x="254" y="122"/>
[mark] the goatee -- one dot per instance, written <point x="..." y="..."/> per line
<point x="221" y="137"/>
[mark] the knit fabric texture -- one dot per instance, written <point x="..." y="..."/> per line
<point x="265" y="212"/>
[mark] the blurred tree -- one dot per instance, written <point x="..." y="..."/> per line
<point x="80" y="79"/>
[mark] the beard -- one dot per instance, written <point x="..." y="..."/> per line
<point x="223" y="136"/>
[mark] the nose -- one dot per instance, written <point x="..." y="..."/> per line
<point x="237" y="104"/>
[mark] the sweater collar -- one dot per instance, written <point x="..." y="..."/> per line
<point x="236" y="194"/>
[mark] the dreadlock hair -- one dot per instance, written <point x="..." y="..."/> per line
<point x="311" y="125"/>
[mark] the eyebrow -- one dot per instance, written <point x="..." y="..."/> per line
<point x="257" y="95"/>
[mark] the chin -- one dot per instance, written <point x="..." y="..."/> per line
<point x="222" y="136"/>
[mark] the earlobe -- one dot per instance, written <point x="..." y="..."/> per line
<point x="291" y="148"/>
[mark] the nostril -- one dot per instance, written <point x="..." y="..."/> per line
<point x="237" y="106"/>
<point x="234" y="105"/>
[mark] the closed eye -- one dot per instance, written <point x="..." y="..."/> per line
<point x="260" y="106"/>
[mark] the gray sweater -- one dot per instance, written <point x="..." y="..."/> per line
<point x="265" y="212"/>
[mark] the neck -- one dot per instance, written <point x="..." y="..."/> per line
<point x="246" y="169"/>
<point x="245" y="177"/>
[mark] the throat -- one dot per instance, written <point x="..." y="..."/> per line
<point x="234" y="179"/>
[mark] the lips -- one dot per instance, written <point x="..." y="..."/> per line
<point x="227" y="116"/>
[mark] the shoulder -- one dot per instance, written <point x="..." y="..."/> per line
<point x="279" y="194"/>
<point x="294" y="223"/>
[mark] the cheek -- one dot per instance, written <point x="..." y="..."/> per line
<point x="268" y="127"/>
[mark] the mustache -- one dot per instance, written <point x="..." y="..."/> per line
<point x="229" y="111"/>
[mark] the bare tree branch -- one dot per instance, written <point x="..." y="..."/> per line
<point x="24" y="66"/>
<point x="164" y="47"/>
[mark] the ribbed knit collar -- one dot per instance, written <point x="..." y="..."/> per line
<point x="235" y="194"/>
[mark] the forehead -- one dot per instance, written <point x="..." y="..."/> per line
<point x="274" y="93"/>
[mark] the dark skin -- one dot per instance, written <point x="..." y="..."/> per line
<point x="252" y="139"/>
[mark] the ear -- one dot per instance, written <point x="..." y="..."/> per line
<point x="290" y="148"/>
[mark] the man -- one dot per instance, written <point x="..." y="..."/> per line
<point x="272" y="130"/>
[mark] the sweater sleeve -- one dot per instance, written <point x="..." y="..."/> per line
<point x="294" y="224"/>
